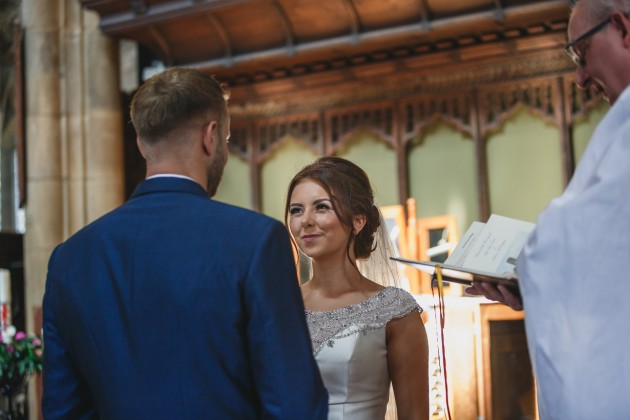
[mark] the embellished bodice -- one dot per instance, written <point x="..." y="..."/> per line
<point x="350" y="348"/>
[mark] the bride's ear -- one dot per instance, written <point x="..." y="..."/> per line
<point x="358" y="222"/>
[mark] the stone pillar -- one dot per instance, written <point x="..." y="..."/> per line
<point x="74" y="136"/>
<point x="105" y="183"/>
<point x="45" y="192"/>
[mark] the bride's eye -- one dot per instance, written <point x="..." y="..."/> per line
<point x="322" y="206"/>
<point x="295" y="210"/>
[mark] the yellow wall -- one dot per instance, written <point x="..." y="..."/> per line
<point x="524" y="167"/>
<point x="378" y="160"/>
<point x="442" y="175"/>
<point x="278" y="170"/>
<point x="235" y="187"/>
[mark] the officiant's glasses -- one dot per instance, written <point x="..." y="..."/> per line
<point x="577" y="54"/>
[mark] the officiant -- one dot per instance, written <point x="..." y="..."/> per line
<point x="573" y="272"/>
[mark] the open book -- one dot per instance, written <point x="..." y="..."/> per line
<point x="487" y="252"/>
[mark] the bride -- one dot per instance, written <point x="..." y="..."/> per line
<point x="366" y="333"/>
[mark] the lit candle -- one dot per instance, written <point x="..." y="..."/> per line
<point x="5" y="286"/>
<point x="5" y="298"/>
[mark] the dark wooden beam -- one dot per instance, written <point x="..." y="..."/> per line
<point x="162" y="43"/>
<point x="424" y="15"/>
<point x="355" y="22"/>
<point x="225" y="39"/>
<point x="117" y="24"/>
<point x="483" y="194"/>
<point x="286" y="25"/>
<point x="563" y="121"/>
<point x="499" y="13"/>
<point x="400" y="147"/>
<point x="378" y="34"/>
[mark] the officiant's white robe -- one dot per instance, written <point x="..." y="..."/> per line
<point x="575" y="282"/>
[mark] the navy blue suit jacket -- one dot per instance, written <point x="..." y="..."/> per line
<point x="175" y="306"/>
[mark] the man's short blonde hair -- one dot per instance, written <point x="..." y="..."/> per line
<point x="175" y="97"/>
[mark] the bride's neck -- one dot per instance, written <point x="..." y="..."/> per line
<point x="336" y="277"/>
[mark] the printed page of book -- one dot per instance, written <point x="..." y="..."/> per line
<point x="459" y="254"/>
<point x="496" y="246"/>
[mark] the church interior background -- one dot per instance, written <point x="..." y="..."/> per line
<point x="456" y="110"/>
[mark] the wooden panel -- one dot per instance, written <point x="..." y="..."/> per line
<point x="397" y="227"/>
<point x="460" y="357"/>
<point x="506" y="385"/>
<point x="512" y="382"/>
<point x="432" y="231"/>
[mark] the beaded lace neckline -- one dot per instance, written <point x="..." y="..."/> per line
<point x="370" y="314"/>
<point x="342" y="308"/>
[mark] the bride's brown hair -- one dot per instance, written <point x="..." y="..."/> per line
<point x="351" y="194"/>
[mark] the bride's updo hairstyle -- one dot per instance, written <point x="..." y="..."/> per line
<point x="350" y="193"/>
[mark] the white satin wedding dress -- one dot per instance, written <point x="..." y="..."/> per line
<point x="351" y="351"/>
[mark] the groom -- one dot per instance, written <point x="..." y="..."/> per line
<point x="175" y="305"/>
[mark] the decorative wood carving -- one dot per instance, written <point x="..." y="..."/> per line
<point x="406" y="79"/>
<point x="499" y="104"/>
<point x="240" y="143"/>
<point x="343" y="124"/>
<point x="420" y="112"/>
<point x="306" y="129"/>
<point x="475" y="110"/>
<point x="581" y="101"/>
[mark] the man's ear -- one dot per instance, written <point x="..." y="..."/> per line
<point x="622" y="24"/>
<point x="210" y="137"/>
<point x="358" y="222"/>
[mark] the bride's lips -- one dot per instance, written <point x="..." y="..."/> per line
<point x="309" y="238"/>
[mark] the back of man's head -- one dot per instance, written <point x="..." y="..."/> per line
<point x="173" y="98"/>
<point x="597" y="10"/>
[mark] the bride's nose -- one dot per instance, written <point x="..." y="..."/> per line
<point x="306" y="219"/>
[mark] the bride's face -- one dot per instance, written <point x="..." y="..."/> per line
<point x="314" y="224"/>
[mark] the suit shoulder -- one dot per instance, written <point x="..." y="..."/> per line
<point x="242" y="215"/>
<point x="103" y="222"/>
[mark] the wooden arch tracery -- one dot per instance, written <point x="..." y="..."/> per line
<point x="401" y="123"/>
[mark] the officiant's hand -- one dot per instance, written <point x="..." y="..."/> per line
<point x="497" y="293"/>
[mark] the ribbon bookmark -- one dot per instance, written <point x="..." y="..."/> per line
<point x="440" y="283"/>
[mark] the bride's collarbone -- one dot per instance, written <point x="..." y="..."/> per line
<point x="328" y="300"/>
